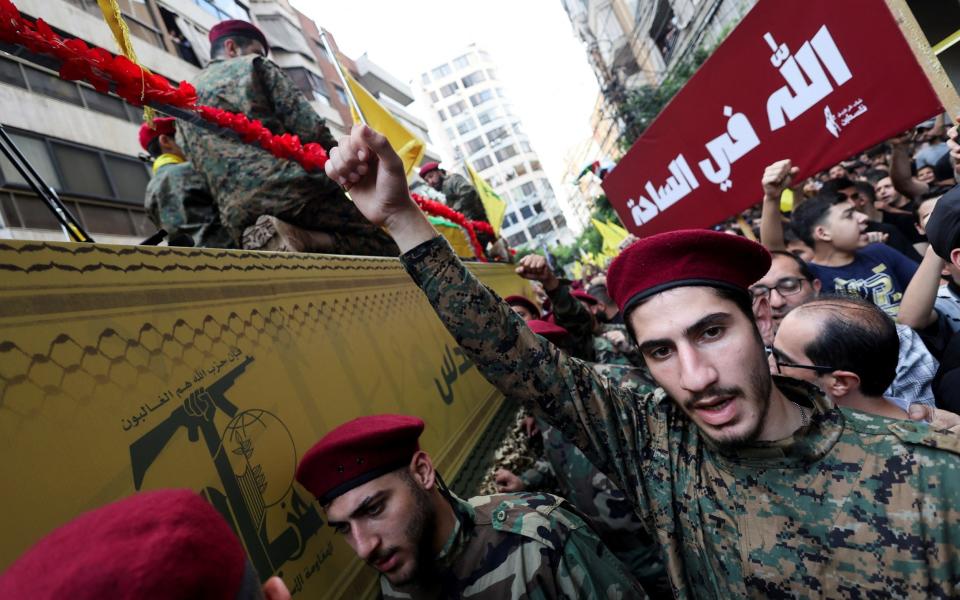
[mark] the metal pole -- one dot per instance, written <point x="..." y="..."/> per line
<point x="68" y="223"/>
<point x="343" y="77"/>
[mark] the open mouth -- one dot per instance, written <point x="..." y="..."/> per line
<point x="387" y="563"/>
<point x="717" y="411"/>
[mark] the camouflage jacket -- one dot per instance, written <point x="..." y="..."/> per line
<point x="612" y="349"/>
<point x="592" y="493"/>
<point x="570" y="314"/>
<point x="521" y="546"/>
<point x="177" y="200"/>
<point x="850" y="506"/>
<point x="463" y="197"/>
<point x="246" y="180"/>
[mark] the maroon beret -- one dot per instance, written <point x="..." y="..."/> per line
<point x="686" y="257"/>
<point x="152" y="545"/>
<point x="430" y="166"/>
<point x="238" y="27"/>
<point x="161" y="126"/>
<point x="581" y="295"/>
<point x="554" y="333"/>
<point x="524" y="302"/>
<point x="357" y="452"/>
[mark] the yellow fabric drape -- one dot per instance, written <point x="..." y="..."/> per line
<point x="121" y="33"/>
<point x="493" y="205"/>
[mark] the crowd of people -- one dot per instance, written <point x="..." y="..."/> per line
<point x="720" y="417"/>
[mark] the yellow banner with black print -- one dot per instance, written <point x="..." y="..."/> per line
<point x="136" y="368"/>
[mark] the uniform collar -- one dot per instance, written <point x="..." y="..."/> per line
<point x="166" y="159"/>
<point x="807" y="445"/>
<point x="463" y="525"/>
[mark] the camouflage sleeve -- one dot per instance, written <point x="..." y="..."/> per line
<point x="291" y="106"/>
<point x="575" y="318"/>
<point x="613" y="428"/>
<point x="539" y="477"/>
<point x="588" y="569"/>
<point x="462" y="191"/>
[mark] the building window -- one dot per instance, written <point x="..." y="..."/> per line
<point x="538" y="208"/>
<point x="434" y="98"/>
<point x="482" y="163"/>
<point x="79" y="170"/>
<point x="541" y="228"/>
<point x="496" y="134"/>
<point x="425" y="79"/>
<point x="462" y="62"/>
<point x="525" y="146"/>
<point x="224" y="9"/>
<point x="441" y="114"/>
<point x="560" y="220"/>
<point x="488" y="115"/>
<point x="481" y="97"/>
<point x="475" y="145"/>
<point x="441" y="71"/>
<point x="517" y="239"/>
<point x="457" y="107"/>
<point x="137" y="16"/>
<point x="473" y="79"/>
<point x="313" y="86"/>
<point x="528" y="189"/>
<point x="341" y="95"/>
<point x="505" y="153"/>
<point x="492" y="74"/>
<point x="466" y="125"/>
<point x="449" y="89"/>
<point x="526" y="212"/>
<point x="500" y="93"/>
<point x="520" y="169"/>
<point x="535" y="165"/>
<point x="45" y="83"/>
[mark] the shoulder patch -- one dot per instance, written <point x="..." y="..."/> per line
<point x="921" y="434"/>
<point x="541" y="517"/>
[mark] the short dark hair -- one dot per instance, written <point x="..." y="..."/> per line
<point x="600" y="292"/>
<point x="875" y="175"/>
<point x="867" y="190"/>
<point x="219" y="47"/>
<point x="833" y="187"/>
<point x="856" y="336"/>
<point x="804" y="269"/>
<point x="809" y="215"/>
<point x="153" y="147"/>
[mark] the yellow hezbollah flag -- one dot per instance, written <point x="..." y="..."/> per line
<point x="492" y="204"/>
<point x="410" y="148"/>
<point x="612" y="234"/>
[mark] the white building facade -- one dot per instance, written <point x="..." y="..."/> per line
<point x="474" y="122"/>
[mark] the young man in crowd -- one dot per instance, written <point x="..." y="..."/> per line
<point x="843" y="260"/>
<point x="381" y="492"/>
<point x="150" y="546"/>
<point x="703" y="457"/>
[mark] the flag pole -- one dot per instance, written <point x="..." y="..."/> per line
<point x="343" y="77"/>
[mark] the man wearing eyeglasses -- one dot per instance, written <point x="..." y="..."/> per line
<point x="789" y="283"/>
<point x="267" y="203"/>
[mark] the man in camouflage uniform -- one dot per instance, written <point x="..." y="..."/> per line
<point x="381" y="492"/>
<point x="249" y="183"/>
<point x="177" y="199"/>
<point x="460" y="194"/>
<point x="754" y="487"/>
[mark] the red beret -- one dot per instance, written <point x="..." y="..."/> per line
<point x="153" y="545"/>
<point x="581" y="295"/>
<point x="238" y="27"/>
<point x="430" y="166"/>
<point x="524" y="302"/>
<point x="357" y="452"/>
<point x="553" y="333"/>
<point x="161" y="126"/>
<point x="686" y="257"/>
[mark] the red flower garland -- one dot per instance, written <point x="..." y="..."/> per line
<point x="138" y="86"/>
<point x="437" y="209"/>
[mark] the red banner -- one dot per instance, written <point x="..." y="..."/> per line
<point x="814" y="81"/>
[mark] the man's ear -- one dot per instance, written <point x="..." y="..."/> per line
<point x="422" y="471"/>
<point x="817" y="286"/>
<point x="821" y="233"/>
<point x="841" y="384"/>
<point x="276" y="589"/>
<point x="763" y="315"/>
<point x="955" y="257"/>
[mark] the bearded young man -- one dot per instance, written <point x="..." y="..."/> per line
<point x="751" y="488"/>
<point x="382" y="494"/>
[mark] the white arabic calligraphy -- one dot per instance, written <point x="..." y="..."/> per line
<point x="739" y="139"/>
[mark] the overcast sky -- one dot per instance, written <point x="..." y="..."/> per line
<point x="540" y="61"/>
